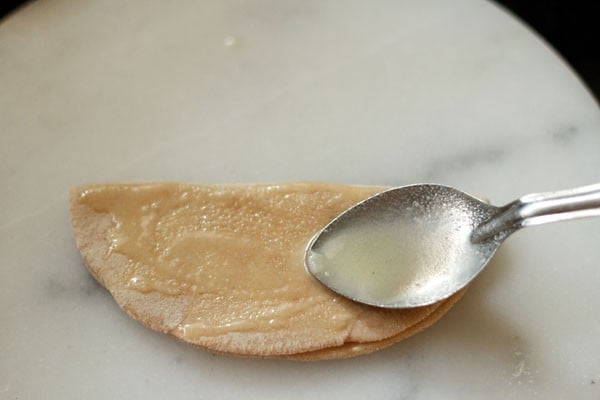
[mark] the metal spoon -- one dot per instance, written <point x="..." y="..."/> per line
<point x="415" y="245"/>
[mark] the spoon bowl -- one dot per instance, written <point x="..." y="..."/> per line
<point x="415" y="245"/>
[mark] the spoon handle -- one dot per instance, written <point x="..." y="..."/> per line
<point x="540" y="208"/>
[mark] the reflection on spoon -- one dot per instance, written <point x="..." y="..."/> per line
<point x="415" y="245"/>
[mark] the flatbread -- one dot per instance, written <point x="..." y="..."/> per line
<point x="221" y="267"/>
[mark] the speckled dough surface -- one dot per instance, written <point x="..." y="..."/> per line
<point x="221" y="267"/>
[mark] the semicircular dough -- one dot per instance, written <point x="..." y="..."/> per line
<point x="221" y="267"/>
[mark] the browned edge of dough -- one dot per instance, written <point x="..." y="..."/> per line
<point x="357" y="349"/>
<point x="152" y="309"/>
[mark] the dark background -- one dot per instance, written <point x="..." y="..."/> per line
<point x="570" y="26"/>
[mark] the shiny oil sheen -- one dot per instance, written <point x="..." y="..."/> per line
<point x="239" y="251"/>
<point x="401" y="247"/>
<point x="418" y="244"/>
<point x="378" y="262"/>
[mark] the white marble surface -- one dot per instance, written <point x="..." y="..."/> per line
<point x="455" y="92"/>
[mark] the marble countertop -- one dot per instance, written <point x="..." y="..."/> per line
<point x="454" y="92"/>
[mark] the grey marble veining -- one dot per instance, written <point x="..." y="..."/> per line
<point x="455" y="92"/>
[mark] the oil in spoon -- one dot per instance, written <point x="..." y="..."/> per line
<point x="418" y="244"/>
<point x="376" y="261"/>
